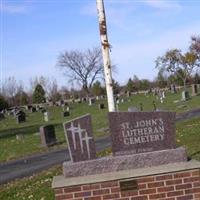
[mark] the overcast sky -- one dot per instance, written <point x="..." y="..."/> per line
<point x="33" y="32"/>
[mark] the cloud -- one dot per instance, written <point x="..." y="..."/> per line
<point x="163" y="4"/>
<point x="13" y="8"/>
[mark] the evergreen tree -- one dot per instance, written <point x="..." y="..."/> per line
<point x="39" y="94"/>
<point x="97" y="89"/>
<point x="129" y="85"/>
<point x="3" y="103"/>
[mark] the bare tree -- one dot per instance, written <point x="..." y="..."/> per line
<point x="195" y="45"/>
<point x="177" y="63"/>
<point x="83" y="67"/>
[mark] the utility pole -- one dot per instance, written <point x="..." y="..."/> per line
<point x="106" y="55"/>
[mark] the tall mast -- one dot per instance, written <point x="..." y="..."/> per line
<point x="106" y="55"/>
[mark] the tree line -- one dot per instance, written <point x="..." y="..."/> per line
<point x="85" y="68"/>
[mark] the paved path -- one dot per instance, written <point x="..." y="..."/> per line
<point x="38" y="162"/>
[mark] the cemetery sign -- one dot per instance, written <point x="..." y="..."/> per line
<point x="140" y="132"/>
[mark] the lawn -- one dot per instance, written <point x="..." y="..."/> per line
<point x="10" y="148"/>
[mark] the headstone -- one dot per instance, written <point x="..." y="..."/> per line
<point x="154" y="106"/>
<point x="19" y="137"/>
<point x="91" y="101"/>
<point x="43" y="110"/>
<point x="80" y="139"/>
<point x="20" y="117"/>
<point x="46" y="116"/>
<point x="29" y="107"/>
<point x="33" y="109"/>
<point x="141" y="107"/>
<point x="194" y="89"/>
<point x="2" y="116"/>
<point x="66" y="113"/>
<point x="132" y="109"/>
<point x="101" y="106"/>
<point x="139" y="132"/>
<point x="173" y="88"/>
<point x="185" y="95"/>
<point x="128" y="94"/>
<point x="48" y="136"/>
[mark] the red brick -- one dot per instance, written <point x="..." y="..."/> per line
<point x="183" y="186"/>
<point x="115" y="189"/>
<point x="140" y="198"/>
<point x="147" y="191"/>
<point x="129" y="193"/>
<point x="82" y="194"/>
<point x="196" y="184"/>
<point x="185" y="197"/>
<point x="155" y="184"/>
<point x="123" y="199"/>
<point x="196" y="173"/>
<point x="192" y="191"/>
<point x="109" y="184"/>
<point x="64" y="196"/>
<point x="175" y="193"/>
<point x="166" y="189"/>
<point x="58" y="191"/>
<point x="174" y="182"/>
<point x="100" y="192"/>
<point x="163" y="177"/>
<point x="191" y="179"/>
<point x="93" y="198"/>
<point x="72" y="189"/>
<point x="91" y="187"/>
<point x="197" y="195"/>
<point x="146" y="179"/>
<point x="111" y="196"/>
<point x="170" y="198"/>
<point x="142" y="186"/>
<point x="157" y="196"/>
<point x="182" y="175"/>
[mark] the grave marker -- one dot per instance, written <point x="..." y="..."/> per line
<point x="48" y="136"/>
<point x="139" y="132"/>
<point x="80" y="139"/>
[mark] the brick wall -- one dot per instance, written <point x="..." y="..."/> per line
<point x="183" y="185"/>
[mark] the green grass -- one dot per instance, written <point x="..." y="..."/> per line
<point x="10" y="148"/>
<point x="37" y="187"/>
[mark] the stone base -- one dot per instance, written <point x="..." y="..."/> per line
<point x="178" y="181"/>
<point x="126" y="162"/>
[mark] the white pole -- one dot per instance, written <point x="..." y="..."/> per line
<point x="106" y="55"/>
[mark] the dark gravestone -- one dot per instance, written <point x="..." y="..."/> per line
<point x="33" y="109"/>
<point x="29" y="107"/>
<point x="80" y="139"/>
<point x="2" y="116"/>
<point x="101" y="106"/>
<point x="20" y="117"/>
<point x="66" y="114"/>
<point x="173" y="88"/>
<point x="48" y="136"/>
<point x="91" y="101"/>
<point x="140" y="132"/>
<point x="43" y="110"/>
<point x="194" y="89"/>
